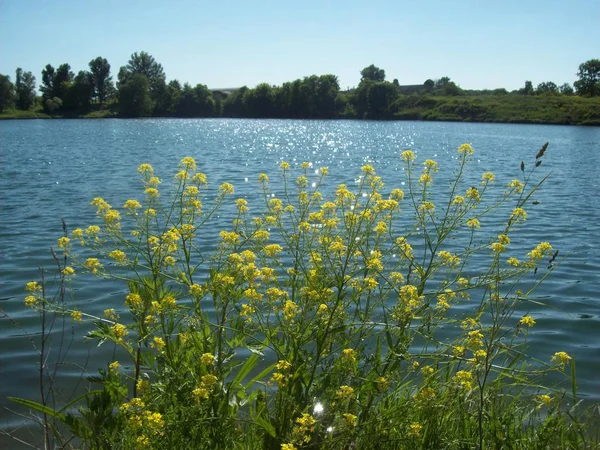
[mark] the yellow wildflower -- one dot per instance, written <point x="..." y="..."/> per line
<point x="226" y="189"/>
<point x="118" y="256"/>
<point x="93" y="264"/>
<point x="119" y="330"/>
<point x="345" y="392"/>
<point x="488" y="177"/>
<point x="63" y="242"/>
<point x="350" y="420"/>
<point x="414" y="429"/>
<point x="466" y="149"/>
<point x="408" y="155"/>
<point x="188" y="162"/>
<point x="272" y="250"/>
<point x="544" y="399"/>
<point x="516" y="185"/>
<point x="561" y="358"/>
<point x="145" y="168"/>
<point x="77" y="316"/>
<point x="132" y="205"/>
<point x="207" y="359"/>
<point x="519" y="215"/>
<point x="527" y="321"/>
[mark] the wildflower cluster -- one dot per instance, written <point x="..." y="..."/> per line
<point x="335" y="291"/>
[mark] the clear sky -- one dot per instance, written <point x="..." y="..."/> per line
<point x="479" y="44"/>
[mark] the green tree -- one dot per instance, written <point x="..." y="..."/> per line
<point x="144" y="64"/>
<point x="233" y="105"/>
<point x="446" y="87"/>
<point x="62" y="81"/>
<point x="372" y="73"/>
<point x="528" y="89"/>
<point x="328" y="88"/>
<point x="7" y="93"/>
<point x="134" y="97"/>
<point x="259" y="102"/>
<point x="588" y="83"/>
<point x="81" y="92"/>
<point x="47" y="86"/>
<point x="101" y="78"/>
<point x="25" y="88"/>
<point x="56" y="83"/>
<point x="196" y="102"/>
<point x="547" y="87"/>
<point x="380" y="96"/>
<point x="566" y="89"/>
<point x="429" y="84"/>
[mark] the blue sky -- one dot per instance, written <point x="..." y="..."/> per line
<point x="478" y="44"/>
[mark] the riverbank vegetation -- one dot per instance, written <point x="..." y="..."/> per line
<point x="142" y="90"/>
<point x="367" y="315"/>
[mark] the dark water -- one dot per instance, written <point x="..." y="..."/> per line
<point x="51" y="169"/>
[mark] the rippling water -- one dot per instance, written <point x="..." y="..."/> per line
<point x="50" y="169"/>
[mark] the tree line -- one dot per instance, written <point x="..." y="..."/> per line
<point x="141" y="90"/>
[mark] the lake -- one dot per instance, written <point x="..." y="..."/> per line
<point x="51" y="169"/>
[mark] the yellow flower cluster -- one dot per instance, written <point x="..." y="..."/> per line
<point x="561" y="358"/>
<point x="464" y="378"/>
<point x="527" y="321"/>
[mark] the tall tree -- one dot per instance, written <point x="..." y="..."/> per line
<point x="589" y="78"/>
<point x="25" y="87"/>
<point x="7" y="93"/>
<point x="372" y="73"/>
<point x="380" y="96"/>
<point x="144" y="64"/>
<point x="56" y="84"/>
<point x="101" y="78"/>
<point x="81" y="92"/>
<point x="47" y="86"/>
<point x="62" y="81"/>
<point x="134" y="97"/>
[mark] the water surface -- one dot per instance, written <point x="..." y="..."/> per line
<point x="50" y="169"/>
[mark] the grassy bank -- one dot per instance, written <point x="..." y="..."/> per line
<point x="534" y="109"/>
<point x="15" y="114"/>
<point x="541" y="109"/>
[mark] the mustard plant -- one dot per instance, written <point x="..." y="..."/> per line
<point x="355" y="317"/>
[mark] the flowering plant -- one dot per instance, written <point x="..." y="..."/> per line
<point x="316" y="323"/>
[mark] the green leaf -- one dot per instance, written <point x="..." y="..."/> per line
<point x="38" y="407"/>
<point x="245" y="369"/>
<point x="269" y="428"/>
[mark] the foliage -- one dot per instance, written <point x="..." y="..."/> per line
<point x="101" y="78"/>
<point x="314" y="96"/>
<point x="547" y="87"/>
<point x="134" y="97"/>
<point x="25" y="89"/>
<point x="143" y="64"/>
<point x="7" y="93"/>
<point x="372" y="73"/>
<point x="316" y="322"/>
<point x="588" y="83"/>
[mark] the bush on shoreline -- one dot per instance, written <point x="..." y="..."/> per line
<point x="316" y="323"/>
